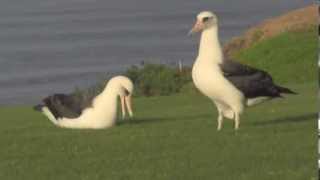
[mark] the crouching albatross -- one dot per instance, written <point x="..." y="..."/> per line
<point x="230" y="85"/>
<point x="99" y="112"/>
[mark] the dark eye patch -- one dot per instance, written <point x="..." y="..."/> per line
<point x="205" y="19"/>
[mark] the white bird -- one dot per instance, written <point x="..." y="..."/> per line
<point x="67" y="111"/>
<point x="230" y="85"/>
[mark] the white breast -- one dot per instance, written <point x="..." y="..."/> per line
<point x="209" y="79"/>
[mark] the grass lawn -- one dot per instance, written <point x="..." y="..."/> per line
<point x="170" y="138"/>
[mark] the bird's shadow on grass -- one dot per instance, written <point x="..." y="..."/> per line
<point x="143" y="120"/>
<point x="288" y="119"/>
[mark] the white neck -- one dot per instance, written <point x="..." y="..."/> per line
<point x="210" y="49"/>
<point x="109" y="97"/>
<point x="105" y="105"/>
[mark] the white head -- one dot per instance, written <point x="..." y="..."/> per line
<point x="205" y="20"/>
<point x="120" y="85"/>
<point x="123" y="87"/>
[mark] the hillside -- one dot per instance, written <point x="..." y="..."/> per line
<point x="295" y="20"/>
<point x="289" y="57"/>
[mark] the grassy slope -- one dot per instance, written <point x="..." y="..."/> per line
<point x="289" y="57"/>
<point x="175" y="138"/>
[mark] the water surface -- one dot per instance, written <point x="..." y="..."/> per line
<point x="51" y="46"/>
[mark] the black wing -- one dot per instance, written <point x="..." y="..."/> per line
<point x="62" y="105"/>
<point x="250" y="81"/>
<point x="233" y="68"/>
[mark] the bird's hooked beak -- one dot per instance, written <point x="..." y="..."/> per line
<point x="128" y="100"/>
<point x="198" y="26"/>
<point x="126" y="105"/>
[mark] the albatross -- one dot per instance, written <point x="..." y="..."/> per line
<point x="67" y="111"/>
<point x="230" y="85"/>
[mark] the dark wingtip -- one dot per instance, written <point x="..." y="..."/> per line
<point x="290" y="92"/>
<point x="286" y="90"/>
<point x="293" y="92"/>
<point x="38" y="107"/>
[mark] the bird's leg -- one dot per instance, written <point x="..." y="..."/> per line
<point x="129" y="104"/>
<point x="123" y="107"/>
<point x="220" y="120"/>
<point x="236" y="121"/>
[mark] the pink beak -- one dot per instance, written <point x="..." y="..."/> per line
<point x="198" y="26"/>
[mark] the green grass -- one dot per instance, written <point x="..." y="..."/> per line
<point x="289" y="57"/>
<point x="171" y="137"/>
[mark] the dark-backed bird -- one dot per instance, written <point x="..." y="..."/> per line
<point x="99" y="112"/>
<point x="230" y="85"/>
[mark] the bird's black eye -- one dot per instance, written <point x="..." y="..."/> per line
<point x="205" y="19"/>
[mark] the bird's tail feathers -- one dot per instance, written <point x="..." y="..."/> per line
<point x="38" y="107"/>
<point x="49" y="114"/>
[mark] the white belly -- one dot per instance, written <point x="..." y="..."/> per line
<point x="210" y="81"/>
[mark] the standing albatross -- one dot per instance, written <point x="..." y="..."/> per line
<point x="67" y="111"/>
<point x="229" y="84"/>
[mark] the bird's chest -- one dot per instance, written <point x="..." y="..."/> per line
<point x="209" y="79"/>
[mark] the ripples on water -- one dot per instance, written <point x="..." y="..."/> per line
<point x="52" y="46"/>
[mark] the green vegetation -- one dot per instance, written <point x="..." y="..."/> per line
<point x="170" y="137"/>
<point x="289" y="57"/>
<point x="158" y="79"/>
<point x="149" y="80"/>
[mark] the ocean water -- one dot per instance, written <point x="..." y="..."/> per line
<point x="51" y="46"/>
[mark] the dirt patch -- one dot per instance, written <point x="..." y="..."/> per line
<point x="292" y="21"/>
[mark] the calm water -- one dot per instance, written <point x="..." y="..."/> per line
<point x="51" y="46"/>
